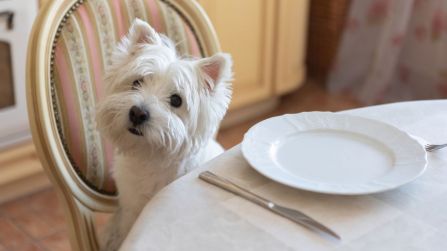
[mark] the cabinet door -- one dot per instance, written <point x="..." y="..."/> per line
<point x="42" y="2"/>
<point x="290" y="67"/>
<point x="245" y="29"/>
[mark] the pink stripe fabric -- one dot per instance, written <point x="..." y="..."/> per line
<point x="95" y="55"/>
<point x="69" y="101"/>
<point x="155" y="15"/>
<point x="119" y="18"/>
<point x="194" y="47"/>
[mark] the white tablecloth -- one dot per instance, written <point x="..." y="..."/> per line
<point x="191" y="214"/>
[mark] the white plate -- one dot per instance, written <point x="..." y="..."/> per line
<point x="333" y="153"/>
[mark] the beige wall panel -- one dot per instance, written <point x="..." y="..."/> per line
<point x="291" y="44"/>
<point x="245" y="29"/>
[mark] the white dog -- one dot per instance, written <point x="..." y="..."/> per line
<point x="160" y="112"/>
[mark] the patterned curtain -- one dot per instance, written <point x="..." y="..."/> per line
<point x="392" y="50"/>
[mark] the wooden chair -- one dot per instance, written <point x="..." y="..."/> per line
<point x="70" y="46"/>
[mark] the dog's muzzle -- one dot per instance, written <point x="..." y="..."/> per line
<point x="135" y="131"/>
<point x="138" y="116"/>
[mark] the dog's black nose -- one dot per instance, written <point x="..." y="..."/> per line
<point x="138" y="115"/>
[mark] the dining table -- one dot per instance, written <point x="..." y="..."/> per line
<point x="191" y="214"/>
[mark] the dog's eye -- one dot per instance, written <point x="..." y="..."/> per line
<point x="136" y="84"/>
<point x="176" y="101"/>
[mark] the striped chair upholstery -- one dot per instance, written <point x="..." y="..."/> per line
<point x="82" y="51"/>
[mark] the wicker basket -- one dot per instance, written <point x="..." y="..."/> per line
<point x="326" y="22"/>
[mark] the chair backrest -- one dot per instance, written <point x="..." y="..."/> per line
<point x="69" y="49"/>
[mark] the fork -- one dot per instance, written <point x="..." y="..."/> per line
<point x="433" y="147"/>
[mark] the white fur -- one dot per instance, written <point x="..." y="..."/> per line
<point x="174" y="140"/>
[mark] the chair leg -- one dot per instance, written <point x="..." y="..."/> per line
<point x="81" y="225"/>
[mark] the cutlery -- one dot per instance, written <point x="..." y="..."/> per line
<point x="433" y="147"/>
<point x="288" y="213"/>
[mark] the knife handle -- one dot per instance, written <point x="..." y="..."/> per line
<point x="233" y="188"/>
<point x="288" y="213"/>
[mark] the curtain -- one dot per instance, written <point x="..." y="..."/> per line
<point x="392" y="50"/>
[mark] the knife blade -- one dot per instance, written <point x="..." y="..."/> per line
<point x="289" y="213"/>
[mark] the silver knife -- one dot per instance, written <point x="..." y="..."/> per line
<point x="288" y="213"/>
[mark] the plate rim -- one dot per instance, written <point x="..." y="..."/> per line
<point x="262" y="171"/>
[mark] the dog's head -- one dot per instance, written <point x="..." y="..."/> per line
<point x="156" y="99"/>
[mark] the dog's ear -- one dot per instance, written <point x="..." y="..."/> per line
<point x="140" y="32"/>
<point x="216" y="69"/>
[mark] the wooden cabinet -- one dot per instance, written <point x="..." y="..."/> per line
<point x="290" y="48"/>
<point x="42" y="2"/>
<point x="267" y="41"/>
<point x="245" y="29"/>
<point x="20" y="172"/>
